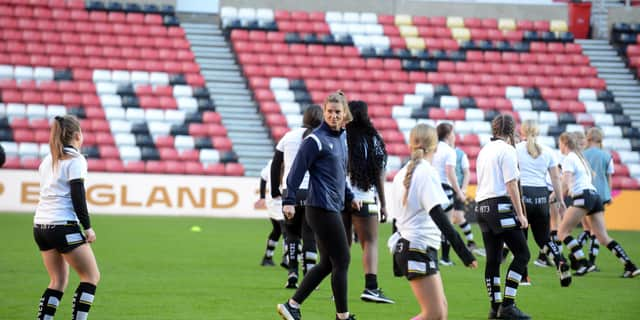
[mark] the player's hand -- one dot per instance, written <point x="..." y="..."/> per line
<point x="383" y="215"/>
<point x="260" y="204"/>
<point x="473" y="264"/>
<point x="289" y="211"/>
<point x="561" y="208"/>
<point x="462" y="196"/>
<point x="356" y="204"/>
<point x="90" y="235"/>
<point x="523" y="221"/>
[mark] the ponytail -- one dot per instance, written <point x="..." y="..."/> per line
<point x="416" y="157"/>
<point x="530" y="130"/>
<point x="63" y="129"/>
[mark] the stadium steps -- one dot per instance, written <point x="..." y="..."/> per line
<point x="619" y="79"/>
<point x="234" y="102"/>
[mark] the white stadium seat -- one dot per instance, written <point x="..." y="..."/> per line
<point x="175" y="116"/>
<point x="106" y="88"/>
<point x="294" y="120"/>
<point x="10" y="148"/>
<point x="129" y="153"/>
<point x="121" y="76"/>
<point x="603" y="119"/>
<point x="44" y="150"/>
<point x="548" y="117"/>
<point x="514" y="93"/>
<point x="629" y="156"/>
<point x="120" y="126"/>
<point x="474" y="115"/>
<point x="449" y="102"/>
<point x="265" y="15"/>
<point x="247" y="14"/>
<point x="290" y="108"/>
<point x="617" y="144"/>
<point x="188" y="104"/>
<point x="333" y="16"/>
<point x="521" y="104"/>
<point x="23" y="73"/>
<point x="351" y="17"/>
<point x="110" y="101"/>
<point x="279" y="84"/>
<point x="394" y="163"/>
<point x="139" y="77"/>
<point x="182" y="91"/>
<point x="154" y="115"/>
<point x="337" y="28"/>
<point x="284" y="95"/>
<point x="159" y="128"/>
<point x="374" y="30"/>
<point x="209" y="156"/>
<point x="184" y="142"/>
<point x="413" y="101"/>
<point x="16" y="110"/>
<point x="368" y="17"/>
<point x="114" y="114"/>
<point x="135" y="115"/>
<point x="425" y="89"/>
<point x="158" y="78"/>
<point x="594" y="106"/>
<point x="611" y="131"/>
<point x="228" y="12"/>
<point x="400" y="112"/>
<point x="36" y="111"/>
<point x="55" y="110"/>
<point x="6" y="72"/>
<point x="587" y="95"/>
<point x="100" y="75"/>
<point x="528" y="115"/>
<point x="43" y="73"/>
<point x="405" y="124"/>
<point x="29" y="150"/>
<point x="124" y="139"/>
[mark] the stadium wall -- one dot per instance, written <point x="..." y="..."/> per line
<point x="176" y="195"/>
<point x="415" y="7"/>
<point x="629" y="15"/>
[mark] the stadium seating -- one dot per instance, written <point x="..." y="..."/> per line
<point x="126" y="70"/>
<point x="412" y="69"/>
<point x="626" y="36"/>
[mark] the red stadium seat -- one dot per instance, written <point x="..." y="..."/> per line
<point x="134" y="167"/>
<point x="215" y="169"/>
<point x="234" y="169"/>
<point x="157" y="167"/>
<point x="114" y="165"/>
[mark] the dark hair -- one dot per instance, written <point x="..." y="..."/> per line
<point x="504" y="126"/>
<point x="63" y="130"/>
<point x="444" y="129"/>
<point x="2" y="156"/>
<point x="367" y="152"/>
<point x="311" y="119"/>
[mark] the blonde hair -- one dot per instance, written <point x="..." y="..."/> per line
<point x="530" y="131"/>
<point x="595" y="135"/>
<point x="570" y="139"/>
<point x="63" y="130"/>
<point x="423" y="140"/>
<point x="340" y="98"/>
<point x="581" y="139"/>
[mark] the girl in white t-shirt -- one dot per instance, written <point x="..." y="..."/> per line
<point x="61" y="210"/>
<point x="577" y="177"/>
<point x="501" y="217"/>
<point x="418" y="201"/>
<point x="535" y="162"/>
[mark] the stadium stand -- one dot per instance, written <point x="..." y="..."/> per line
<point x="414" y="69"/>
<point x="126" y="70"/>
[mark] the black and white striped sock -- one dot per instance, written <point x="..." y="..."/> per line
<point x="49" y="304"/>
<point x="82" y="300"/>
<point x="616" y="248"/>
<point x="466" y="228"/>
<point x="594" y="249"/>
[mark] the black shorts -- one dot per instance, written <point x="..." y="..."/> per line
<point x="64" y="237"/>
<point x="588" y="200"/>
<point x="368" y="209"/>
<point x="414" y="263"/>
<point x="496" y="215"/>
<point x="448" y="190"/>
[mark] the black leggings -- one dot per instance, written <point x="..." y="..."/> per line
<point x="276" y="229"/>
<point x="536" y="200"/>
<point x="334" y="257"/>
<point x="297" y="229"/>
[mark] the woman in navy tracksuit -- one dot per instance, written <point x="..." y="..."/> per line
<point x="324" y="154"/>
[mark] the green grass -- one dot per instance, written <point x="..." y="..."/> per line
<point x="156" y="268"/>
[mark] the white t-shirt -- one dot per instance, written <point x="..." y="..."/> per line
<point x="444" y="156"/>
<point x="55" y="205"/>
<point x="425" y="192"/>
<point x="289" y="145"/>
<point x="497" y="164"/>
<point x="581" y="174"/>
<point x="533" y="171"/>
<point x="274" y="207"/>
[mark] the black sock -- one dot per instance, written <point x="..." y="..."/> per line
<point x="371" y="281"/>
<point x="583" y="237"/>
<point x="554" y="237"/>
<point x="494" y="291"/>
<point x="310" y="260"/>
<point x="616" y="248"/>
<point x="574" y="247"/>
<point x="271" y="247"/>
<point x="49" y="303"/>
<point x="466" y="228"/>
<point x="594" y="249"/>
<point x="82" y="300"/>
<point x="293" y="251"/>
<point x="511" y="287"/>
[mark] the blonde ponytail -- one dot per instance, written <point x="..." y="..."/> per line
<point x="571" y="141"/>
<point x="530" y="131"/>
<point x="63" y="129"/>
<point x="423" y="140"/>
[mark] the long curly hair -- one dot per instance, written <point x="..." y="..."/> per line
<point x="367" y="152"/>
